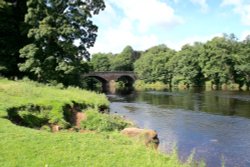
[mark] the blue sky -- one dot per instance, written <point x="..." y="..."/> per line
<point x="146" y="23"/>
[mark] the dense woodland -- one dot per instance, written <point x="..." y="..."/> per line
<point x="222" y="60"/>
<point x="37" y="39"/>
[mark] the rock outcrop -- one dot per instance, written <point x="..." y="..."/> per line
<point x="55" y="128"/>
<point x="148" y="136"/>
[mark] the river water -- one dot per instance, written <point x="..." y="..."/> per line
<point x="215" y="124"/>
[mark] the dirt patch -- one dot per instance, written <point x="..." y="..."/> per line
<point x="79" y="117"/>
<point x="74" y="114"/>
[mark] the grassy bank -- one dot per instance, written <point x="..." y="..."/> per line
<point x="28" y="147"/>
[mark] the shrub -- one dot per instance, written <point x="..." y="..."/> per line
<point x="141" y="85"/>
<point x="103" y="122"/>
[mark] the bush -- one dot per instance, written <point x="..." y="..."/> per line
<point x="103" y="122"/>
<point x="141" y="85"/>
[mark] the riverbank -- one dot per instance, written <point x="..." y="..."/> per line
<point x="34" y="145"/>
<point x="142" y="85"/>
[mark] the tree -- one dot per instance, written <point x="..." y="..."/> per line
<point x="13" y="35"/>
<point x="243" y="62"/>
<point x="218" y="60"/>
<point x="153" y="64"/>
<point x="101" y="62"/>
<point x="55" y="26"/>
<point x="187" y="68"/>
<point x="124" y="60"/>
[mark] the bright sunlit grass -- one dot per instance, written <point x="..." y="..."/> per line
<point x="26" y="147"/>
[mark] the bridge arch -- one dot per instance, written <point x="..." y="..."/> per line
<point x="108" y="79"/>
<point x="103" y="81"/>
<point x="127" y="80"/>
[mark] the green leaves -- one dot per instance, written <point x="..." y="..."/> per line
<point x="12" y="36"/>
<point x="218" y="60"/>
<point x="222" y="60"/>
<point x="124" y="60"/>
<point x="103" y="122"/>
<point x="152" y="66"/>
<point x="54" y="27"/>
<point x="188" y="70"/>
<point x="101" y="62"/>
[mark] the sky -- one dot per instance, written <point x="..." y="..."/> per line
<point x="146" y="23"/>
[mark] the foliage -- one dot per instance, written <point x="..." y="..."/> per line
<point x="243" y="62"/>
<point x="13" y="36"/>
<point x="218" y="60"/>
<point x="187" y="70"/>
<point x="93" y="84"/>
<point x="141" y="85"/>
<point x="101" y="62"/>
<point x="103" y="122"/>
<point x="33" y="116"/>
<point x="124" y="60"/>
<point x="47" y="40"/>
<point x="223" y="62"/>
<point x="152" y="65"/>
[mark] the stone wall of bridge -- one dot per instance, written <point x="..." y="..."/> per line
<point x="108" y="78"/>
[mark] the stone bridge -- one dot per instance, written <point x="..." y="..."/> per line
<point x="108" y="79"/>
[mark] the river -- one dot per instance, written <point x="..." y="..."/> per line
<point x="215" y="124"/>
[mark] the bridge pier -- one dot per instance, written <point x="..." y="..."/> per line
<point x="111" y="87"/>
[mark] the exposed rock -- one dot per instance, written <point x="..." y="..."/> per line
<point x="148" y="136"/>
<point x="79" y="116"/>
<point x="55" y="128"/>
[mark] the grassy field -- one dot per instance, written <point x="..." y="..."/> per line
<point x="26" y="147"/>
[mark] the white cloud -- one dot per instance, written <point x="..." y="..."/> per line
<point x="130" y="22"/>
<point x="244" y="34"/>
<point x="240" y="7"/>
<point x="114" y="39"/>
<point x="147" y="13"/>
<point x="202" y="3"/>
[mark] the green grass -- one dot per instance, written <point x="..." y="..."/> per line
<point x="104" y="122"/>
<point x="24" y="95"/>
<point x="27" y="147"/>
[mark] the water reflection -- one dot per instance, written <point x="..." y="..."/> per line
<point x="216" y="102"/>
<point x="214" y="123"/>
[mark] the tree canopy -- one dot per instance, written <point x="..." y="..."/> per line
<point x="223" y="60"/>
<point x="152" y="66"/>
<point x="13" y="35"/>
<point x="124" y="60"/>
<point x="55" y="27"/>
<point x="54" y="41"/>
<point x="101" y="61"/>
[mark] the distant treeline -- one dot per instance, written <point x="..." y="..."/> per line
<point x="221" y="61"/>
